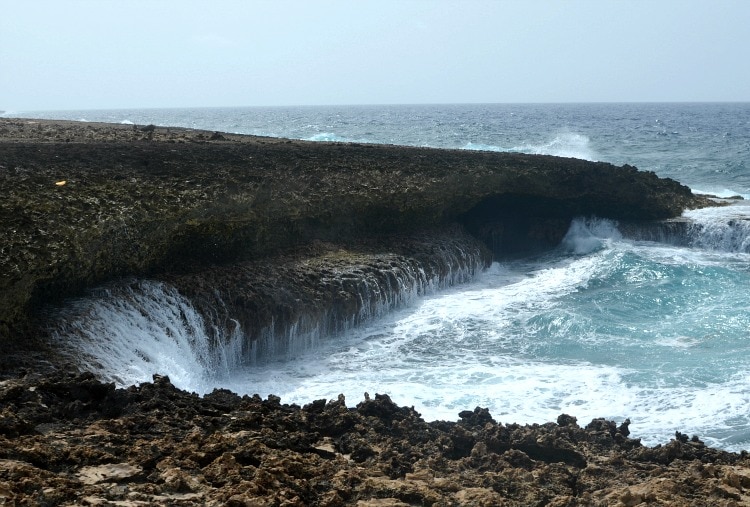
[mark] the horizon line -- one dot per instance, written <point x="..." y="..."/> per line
<point x="384" y="104"/>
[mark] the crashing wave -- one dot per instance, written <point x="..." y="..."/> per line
<point x="129" y="331"/>
<point x="570" y="145"/>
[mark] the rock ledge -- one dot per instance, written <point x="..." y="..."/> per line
<point x="85" y="203"/>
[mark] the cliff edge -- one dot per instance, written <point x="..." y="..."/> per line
<point x="84" y="203"/>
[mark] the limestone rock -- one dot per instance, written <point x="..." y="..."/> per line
<point x="110" y="472"/>
<point x="189" y="199"/>
<point x="154" y="445"/>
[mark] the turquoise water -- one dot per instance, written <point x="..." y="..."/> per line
<point x="604" y="326"/>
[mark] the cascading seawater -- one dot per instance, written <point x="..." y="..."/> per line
<point x="608" y="325"/>
<point x="244" y="315"/>
<point x="725" y="228"/>
<point x="603" y="326"/>
<point x="129" y="331"/>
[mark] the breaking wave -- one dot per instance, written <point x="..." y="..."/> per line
<point x="129" y="331"/>
<point x="563" y="145"/>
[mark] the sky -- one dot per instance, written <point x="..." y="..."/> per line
<point x="101" y="54"/>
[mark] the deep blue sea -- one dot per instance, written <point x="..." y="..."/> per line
<point x="604" y="326"/>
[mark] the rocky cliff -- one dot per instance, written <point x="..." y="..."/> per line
<point x="294" y="229"/>
<point x="85" y="203"/>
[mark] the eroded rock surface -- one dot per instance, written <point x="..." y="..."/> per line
<point x="68" y="439"/>
<point x="84" y="203"/>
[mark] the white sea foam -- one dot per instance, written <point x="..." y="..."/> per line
<point x="335" y="138"/>
<point x="326" y="137"/>
<point x="128" y="332"/>
<point x="463" y="349"/>
<point x="588" y="235"/>
<point x="562" y="145"/>
<point x="725" y="228"/>
<point x="483" y="147"/>
<point x="130" y="335"/>
<point x="567" y="144"/>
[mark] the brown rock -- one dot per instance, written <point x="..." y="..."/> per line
<point x="111" y="472"/>
<point x="262" y="452"/>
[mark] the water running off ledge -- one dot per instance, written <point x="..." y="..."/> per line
<point x="222" y="319"/>
<point x="198" y="328"/>
<point x="719" y="229"/>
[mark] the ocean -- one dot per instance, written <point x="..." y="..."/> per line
<point x="657" y="332"/>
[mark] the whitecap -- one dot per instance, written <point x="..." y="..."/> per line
<point x="326" y="137"/>
<point x="567" y="144"/>
<point x="588" y="235"/>
<point x="482" y="147"/>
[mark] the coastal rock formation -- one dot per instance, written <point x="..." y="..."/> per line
<point x="71" y="440"/>
<point x="86" y="203"/>
<point x="291" y="228"/>
<point x="237" y="315"/>
<point x="276" y="302"/>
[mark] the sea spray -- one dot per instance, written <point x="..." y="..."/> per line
<point x="725" y="229"/>
<point x="561" y="145"/>
<point x="129" y="331"/>
<point x="670" y="350"/>
<point x="199" y="328"/>
<point x="588" y="235"/>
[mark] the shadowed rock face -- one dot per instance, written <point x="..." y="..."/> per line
<point x="85" y="203"/>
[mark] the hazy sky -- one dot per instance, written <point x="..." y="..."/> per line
<point x="66" y="54"/>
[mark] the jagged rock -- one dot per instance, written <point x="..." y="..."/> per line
<point x="110" y="472"/>
<point x="170" y="447"/>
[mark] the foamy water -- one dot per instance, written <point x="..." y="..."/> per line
<point x="531" y="340"/>
<point x="604" y="326"/>
<point x="601" y="327"/>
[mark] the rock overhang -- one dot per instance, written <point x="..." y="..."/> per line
<point x="137" y="203"/>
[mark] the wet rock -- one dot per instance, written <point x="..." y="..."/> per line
<point x="567" y="420"/>
<point x="294" y="300"/>
<point x="183" y="201"/>
<point x="477" y="417"/>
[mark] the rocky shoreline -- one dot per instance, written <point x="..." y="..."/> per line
<point x="84" y="204"/>
<point x="71" y="440"/>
